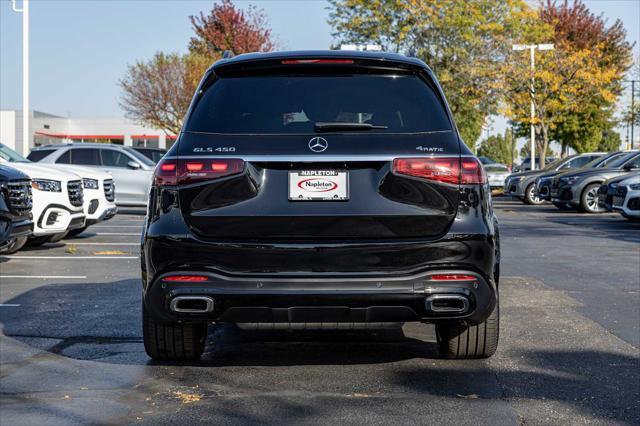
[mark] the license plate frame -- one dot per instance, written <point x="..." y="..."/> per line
<point x="316" y="185"/>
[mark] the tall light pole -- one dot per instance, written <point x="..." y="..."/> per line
<point x="532" y="48"/>
<point x="25" y="72"/>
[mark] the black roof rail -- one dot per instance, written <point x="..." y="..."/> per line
<point x="227" y="54"/>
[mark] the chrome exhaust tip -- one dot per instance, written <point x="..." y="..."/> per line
<point x="191" y="304"/>
<point x="447" y="303"/>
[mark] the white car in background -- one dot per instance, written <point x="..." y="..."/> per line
<point x="57" y="198"/>
<point x="132" y="172"/>
<point x="99" y="194"/>
<point x="626" y="198"/>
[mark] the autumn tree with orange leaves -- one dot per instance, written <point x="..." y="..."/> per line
<point x="576" y="85"/>
<point x="228" y="28"/>
<point x="157" y="92"/>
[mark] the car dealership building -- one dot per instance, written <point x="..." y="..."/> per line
<point x="51" y="129"/>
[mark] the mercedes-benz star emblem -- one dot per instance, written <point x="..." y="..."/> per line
<point x="318" y="144"/>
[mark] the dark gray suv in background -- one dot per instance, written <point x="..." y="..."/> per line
<point x="579" y="189"/>
<point x="522" y="185"/>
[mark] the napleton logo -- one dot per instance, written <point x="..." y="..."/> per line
<point x="317" y="185"/>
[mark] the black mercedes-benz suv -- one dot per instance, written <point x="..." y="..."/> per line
<point x="319" y="189"/>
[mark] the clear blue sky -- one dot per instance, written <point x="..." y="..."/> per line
<point x="80" y="48"/>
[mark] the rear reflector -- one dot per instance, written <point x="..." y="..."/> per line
<point x="452" y="277"/>
<point x="442" y="169"/>
<point x="316" y="61"/>
<point x="185" y="278"/>
<point x="183" y="171"/>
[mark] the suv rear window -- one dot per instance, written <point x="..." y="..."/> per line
<point x="294" y="103"/>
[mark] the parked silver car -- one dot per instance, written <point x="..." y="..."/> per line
<point x="496" y="175"/>
<point x="132" y="172"/>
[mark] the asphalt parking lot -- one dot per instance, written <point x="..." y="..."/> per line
<point x="71" y="346"/>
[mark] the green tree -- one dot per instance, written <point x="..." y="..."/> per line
<point x="610" y="141"/>
<point x="525" y="151"/>
<point x="577" y="28"/>
<point x="464" y="42"/>
<point x="499" y="148"/>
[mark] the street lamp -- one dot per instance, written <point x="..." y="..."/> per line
<point x="532" y="48"/>
<point x="25" y="72"/>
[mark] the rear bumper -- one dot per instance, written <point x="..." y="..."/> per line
<point x="320" y="300"/>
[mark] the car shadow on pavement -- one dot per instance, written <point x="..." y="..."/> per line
<point x="596" y="384"/>
<point x="101" y="322"/>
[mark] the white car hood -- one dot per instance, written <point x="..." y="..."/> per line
<point x="85" y="172"/>
<point x="44" y="172"/>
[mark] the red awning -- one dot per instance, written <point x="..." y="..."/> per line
<point x="145" y="136"/>
<point x="65" y="136"/>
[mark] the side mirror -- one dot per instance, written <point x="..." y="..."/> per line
<point x="133" y="165"/>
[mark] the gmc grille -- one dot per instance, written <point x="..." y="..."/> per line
<point x="109" y="190"/>
<point x="74" y="188"/>
<point x="19" y="192"/>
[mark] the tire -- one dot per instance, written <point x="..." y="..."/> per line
<point x="589" y="199"/>
<point x="76" y="232"/>
<point x="458" y="341"/>
<point x="563" y="206"/>
<point x="14" y="245"/>
<point x="530" y="197"/>
<point x="173" y="342"/>
<point x="38" y="241"/>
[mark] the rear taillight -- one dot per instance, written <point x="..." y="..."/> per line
<point x="454" y="170"/>
<point x="452" y="277"/>
<point x="183" y="171"/>
<point x="185" y="278"/>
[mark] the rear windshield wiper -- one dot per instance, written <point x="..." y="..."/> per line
<point x="327" y="127"/>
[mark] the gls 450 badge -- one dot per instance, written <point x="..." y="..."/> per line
<point x="215" y="149"/>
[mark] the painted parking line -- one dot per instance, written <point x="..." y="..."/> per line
<point x="67" y="257"/>
<point x="118" y="233"/>
<point x="9" y="305"/>
<point x="61" y="277"/>
<point x="116" y="226"/>
<point x="72" y="243"/>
